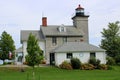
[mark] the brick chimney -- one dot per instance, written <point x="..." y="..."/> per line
<point x="44" y="21"/>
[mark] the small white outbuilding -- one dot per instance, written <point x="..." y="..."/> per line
<point x="80" y="50"/>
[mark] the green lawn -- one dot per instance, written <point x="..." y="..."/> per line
<point x="52" y="73"/>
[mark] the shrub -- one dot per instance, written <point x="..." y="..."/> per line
<point x="25" y="63"/>
<point x="94" y="62"/>
<point x="117" y="60"/>
<point x="97" y="63"/>
<point x="4" y="63"/>
<point x="87" y="66"/>
<point x="110" y="67"/>
<point x="75" y="62"/>
<point x="65" y="65"/>
<point x="103" y="67"/>
<point x="110" y="61"/>
<point x="43" y="62"/>
<point x="9" y="63"/>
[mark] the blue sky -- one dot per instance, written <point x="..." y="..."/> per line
<point x="16" y="15"/>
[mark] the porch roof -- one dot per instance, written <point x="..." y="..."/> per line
<point x="77" y="47"/>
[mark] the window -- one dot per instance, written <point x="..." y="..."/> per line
<point x="64" y="39"/>
<point x="54" y="40"/>
<point x="81" y="54"/>
<point x="62" y="29"/>
<point x="92" y="55"/>
<point x="69" y="55"/>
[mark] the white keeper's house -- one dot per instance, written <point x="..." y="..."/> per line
<point x="62" y="42"/>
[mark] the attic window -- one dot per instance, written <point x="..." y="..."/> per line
<point x="62" y="28"/>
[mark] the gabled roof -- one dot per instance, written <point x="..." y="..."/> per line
<point x="77" y="46"/>
<point x="53" y="31"/>
<point x="37" y="33"/>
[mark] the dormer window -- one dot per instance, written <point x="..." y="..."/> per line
<point x="62" y="28"/>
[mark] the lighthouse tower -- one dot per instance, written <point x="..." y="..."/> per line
<point x="80" y="21"/>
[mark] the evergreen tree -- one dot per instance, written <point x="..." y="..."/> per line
<point x="34" y="52"/>
<point x="111" y="39"/>
<point x="7" y="46"/>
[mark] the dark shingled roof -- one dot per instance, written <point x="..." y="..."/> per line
<point x="53" y="31"/>
<point x="77" y="46"/>
<point x="37" y="33"/>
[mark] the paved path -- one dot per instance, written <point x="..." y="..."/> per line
<point x="14" y="66"/>
<point x="41" y="65"/>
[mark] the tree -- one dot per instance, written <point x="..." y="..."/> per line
<point x="34" y="52"/>
<point x="7" y="46"/>
<point x="111" y="39"/>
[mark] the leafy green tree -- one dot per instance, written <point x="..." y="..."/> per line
<point x="6" y="46"/>
<point x="35" y="54"/>
<point x="111" y="39"/>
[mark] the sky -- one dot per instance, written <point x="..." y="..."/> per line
<point x="17" y="15"/>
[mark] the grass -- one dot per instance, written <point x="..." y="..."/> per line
<point x="52" y="73"/>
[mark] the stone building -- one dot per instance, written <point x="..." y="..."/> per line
<point x="53" y="37"/>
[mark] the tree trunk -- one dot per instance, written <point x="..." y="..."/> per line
<point x="33" y="74"/>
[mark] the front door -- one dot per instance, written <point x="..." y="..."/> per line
<point x="52" y="58"/>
